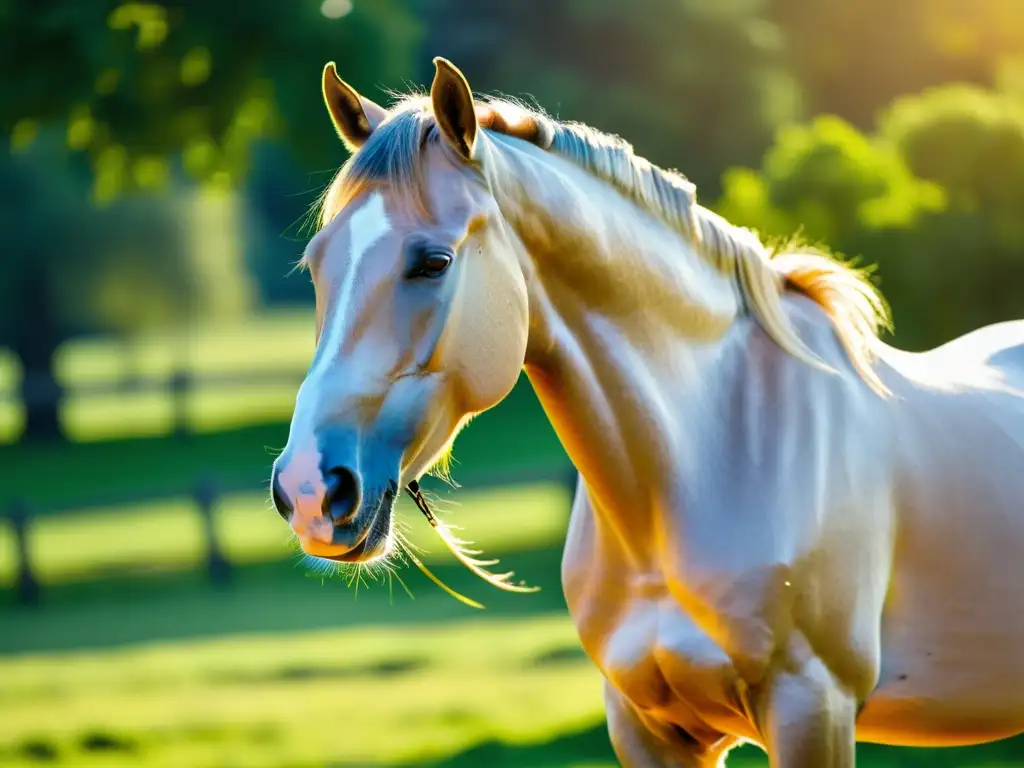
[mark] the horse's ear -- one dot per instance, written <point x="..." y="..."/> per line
<point x="452" y="101"/>
<point x="355" y="117"/>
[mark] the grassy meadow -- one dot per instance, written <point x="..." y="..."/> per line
<point x="135" y="659"/>
<point x="166" y="536"/>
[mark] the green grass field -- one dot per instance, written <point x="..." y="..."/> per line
<point x="135" y="659"/>
<point x="357" y="697"/>
<point x="154" y="667"/>
<point x="236" y="431"/>
<point x="141" y="539"/>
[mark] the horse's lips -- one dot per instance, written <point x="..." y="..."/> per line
<point x="349" y="557"/>
<point x="374" y="537"/>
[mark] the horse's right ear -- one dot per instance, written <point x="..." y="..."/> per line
<point x="355" y="117"/>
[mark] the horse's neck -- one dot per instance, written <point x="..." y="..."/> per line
<point x="627" y="319"/>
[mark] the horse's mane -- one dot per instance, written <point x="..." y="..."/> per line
<point x="857" y="310"/>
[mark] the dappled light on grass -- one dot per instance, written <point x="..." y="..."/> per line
<point x="278" y="343"/>
<point x="152" y="538"/>
<point x="167" y="535"/>
<point x="12" y="413"/>
<point x="239" y="406"/>
<point x="251" y="531"/>
<point x="275" y="340"/>
<point x="205" y="409"/>
<point x="112" y="416"/>
<point x="250" y="700"/>
<point x="509" y="520"/>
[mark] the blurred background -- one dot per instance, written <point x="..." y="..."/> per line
<point x="159" y="164"/>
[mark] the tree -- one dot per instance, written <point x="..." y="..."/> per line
<point x="109" y="99"/>
<point x="830" y="182"/>
<point x="137" y="83"/>
<point x="932" y="198"/>
<point x="694" y="84"/>
<point x="969" y="140"/>
<point x="853" y="58"/>
<point x="60" y="254"/>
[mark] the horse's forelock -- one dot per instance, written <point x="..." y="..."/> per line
<point x="393" y="154"/>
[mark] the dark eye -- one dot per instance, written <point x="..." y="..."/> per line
<point x="429" y="262"/>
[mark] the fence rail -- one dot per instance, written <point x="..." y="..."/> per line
<point x="207" y="491"/>
<point x="206" y="494"/>
<point x="178" y="385"/>
<point x="143" y="384"/>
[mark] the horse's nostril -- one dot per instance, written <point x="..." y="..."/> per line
<point x="280" y="500"/>
<point x="342" y="497"/>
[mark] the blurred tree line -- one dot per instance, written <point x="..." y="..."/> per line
<point x="829" y="116"/>
<point x="116" y="110"/>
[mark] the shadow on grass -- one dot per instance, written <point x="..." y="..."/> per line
<point x="380" y="670"/>
<point x="514" y="435"/>
<point x="272" y="597"/>
<point x="591" y="746"/>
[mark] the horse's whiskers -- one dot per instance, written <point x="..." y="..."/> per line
<point x="462" y="554"/>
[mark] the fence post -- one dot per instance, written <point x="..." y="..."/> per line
<point x="217" y="564"/>
<point x="26" y="587"/>
<point x="179" y="384"/>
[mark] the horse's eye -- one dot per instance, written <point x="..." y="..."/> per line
<point x="430" y="263"/>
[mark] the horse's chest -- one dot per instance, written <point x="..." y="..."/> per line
<point x="658" y="657"/>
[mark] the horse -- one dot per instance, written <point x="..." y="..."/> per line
<point x="786" y="531"/>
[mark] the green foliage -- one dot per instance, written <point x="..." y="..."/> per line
<point x="55" y="240"/>
<point x="853" y="58"/>
<point x="829" y="181"/>
<point x="108" y="98"/>
<point x="933" y="198"/>
<point x="695" y="84"/>
<point x="971" y="141"/>
<point x="137" y="83"/>
<point x="971" y="256"/>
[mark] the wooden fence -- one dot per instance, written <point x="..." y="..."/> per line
<point x="207" y="491"/>
<point x="206" y="495"/>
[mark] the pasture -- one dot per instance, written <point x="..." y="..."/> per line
<point x="278" y="343"/>
<point x="120" y="444"/>
<point x="135" y="660"/>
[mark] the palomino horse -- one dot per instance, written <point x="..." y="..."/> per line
<point x="785" y="532"/>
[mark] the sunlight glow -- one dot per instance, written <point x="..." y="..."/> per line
<point x="335" y="9"/>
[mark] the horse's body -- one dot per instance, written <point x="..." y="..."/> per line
<point x="785" y="532"/>
<point x="953" y="629"/>
<point x="907" y="551"/>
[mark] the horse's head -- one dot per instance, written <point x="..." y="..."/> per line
<point x="421" y="309"/>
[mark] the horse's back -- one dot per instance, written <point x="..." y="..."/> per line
<point x="998" y="348"/>
<point x="954" y="622"/>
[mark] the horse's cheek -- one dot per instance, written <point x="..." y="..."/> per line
<point x="490" y="334"/>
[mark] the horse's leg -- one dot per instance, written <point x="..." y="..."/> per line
<point x="807" y="719"/>
<point x="640" y="742"/>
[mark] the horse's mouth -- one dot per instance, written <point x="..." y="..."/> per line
<point x="372" y="544"/>
<point x="354" y="555"/>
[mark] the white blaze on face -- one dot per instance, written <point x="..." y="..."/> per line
<point x="367" y="225"/>
<point x="301" y="479"/>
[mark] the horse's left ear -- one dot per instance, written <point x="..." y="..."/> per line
<point x="452" y="101"/>
<point x="354" y="116"/>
